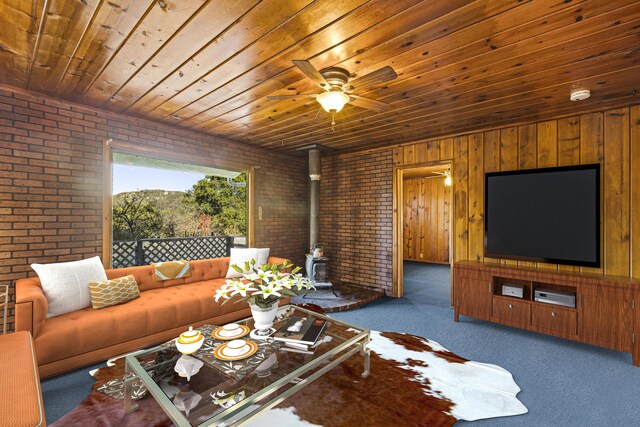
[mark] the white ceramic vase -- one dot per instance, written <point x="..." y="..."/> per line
<point x="263" y="318"/>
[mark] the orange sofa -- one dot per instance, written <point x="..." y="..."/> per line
<point x="164" y="309"/>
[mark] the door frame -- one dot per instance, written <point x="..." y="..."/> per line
<point x="398" y="220"/>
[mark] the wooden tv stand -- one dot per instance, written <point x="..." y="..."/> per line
<point x="604" y="315"/>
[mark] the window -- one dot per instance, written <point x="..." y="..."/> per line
<point x="165" y="210"/>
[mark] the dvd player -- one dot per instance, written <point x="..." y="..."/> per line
<point x="551" y="296"/>
<point x="513" y="290"/>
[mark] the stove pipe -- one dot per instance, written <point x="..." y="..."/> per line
<point x="314" y="196"/>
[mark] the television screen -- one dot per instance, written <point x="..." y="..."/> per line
<point x="548" y="215"/>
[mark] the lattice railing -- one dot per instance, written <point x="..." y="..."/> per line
<point x="124" y="254"/>
<point x="147" y="251"/>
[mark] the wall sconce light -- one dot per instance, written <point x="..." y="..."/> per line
<point x="447" y="178"/>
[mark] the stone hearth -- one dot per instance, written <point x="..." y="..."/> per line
<point x="341" y="297"/>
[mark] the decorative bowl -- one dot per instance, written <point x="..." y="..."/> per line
<point x="191" y="347"/>
<point x="190" y="336"/>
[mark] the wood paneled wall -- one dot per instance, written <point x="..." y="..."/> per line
<point x="427" y="203"/>
<point x="611" y="138"/>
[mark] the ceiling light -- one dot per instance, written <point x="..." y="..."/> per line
<point x="580" y="94"/>
<point x="447" y="179"/>
<point x="332" y="102"/>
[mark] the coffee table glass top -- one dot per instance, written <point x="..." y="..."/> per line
<point x="229" y="392"/>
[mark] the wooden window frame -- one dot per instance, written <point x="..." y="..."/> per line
<point x="110" y="146"/>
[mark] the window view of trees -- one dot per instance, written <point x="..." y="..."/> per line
<point x="225" y="203"/>
<point x="213" y="206"/>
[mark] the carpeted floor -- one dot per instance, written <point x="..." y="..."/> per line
<point x="563" y="383"/>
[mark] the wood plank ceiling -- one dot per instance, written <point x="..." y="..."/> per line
<point x="210" y="64"/>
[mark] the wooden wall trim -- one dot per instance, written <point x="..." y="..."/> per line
<point x="107" y="203"/>
<point x="635" y="196"/>
<point x="397" y="268"/>
<point x="398" y="210"/>
<point x="251" y="181"/>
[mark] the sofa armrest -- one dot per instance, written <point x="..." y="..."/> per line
<point x="31" y="306"/>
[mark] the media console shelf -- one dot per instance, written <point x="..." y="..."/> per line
<point x="604" y="312"/>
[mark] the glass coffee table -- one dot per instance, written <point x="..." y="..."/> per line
<point x="231" y="393"/>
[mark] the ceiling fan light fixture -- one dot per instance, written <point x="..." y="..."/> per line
<point x="333" y="101"/>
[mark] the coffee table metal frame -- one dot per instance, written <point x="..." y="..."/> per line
<point x="350" y="346"/>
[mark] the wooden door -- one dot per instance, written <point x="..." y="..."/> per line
<point x="427" y="205"/>
<point x="606" y="317"/>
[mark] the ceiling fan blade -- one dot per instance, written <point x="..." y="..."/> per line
<point x="301" y="95"/>
<point x="370" y="104"/>
<point x="382" y="75"/>
<point x="311" y="72"/>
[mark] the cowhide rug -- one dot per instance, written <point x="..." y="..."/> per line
<point x="413" y="381"/>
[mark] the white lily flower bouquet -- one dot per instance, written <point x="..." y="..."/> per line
<point x="264" y="285"/>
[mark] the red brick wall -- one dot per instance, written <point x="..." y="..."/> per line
<point x="355" y="217"/>
<point x="51" y="180"/>
<point x="284" y="199"/>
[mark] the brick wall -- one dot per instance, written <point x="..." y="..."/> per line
<point x="355" y="217"/>
<point x="284" y="199"/>
<point x="51" y="181"/>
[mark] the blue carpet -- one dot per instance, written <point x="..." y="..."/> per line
<point x="563" y="383"/>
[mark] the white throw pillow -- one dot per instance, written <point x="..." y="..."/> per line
<point x="263" y="256"/>
<point x="66" y="284"/>
<point x="241" y="255"/>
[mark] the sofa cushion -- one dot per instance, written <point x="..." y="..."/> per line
<point x="169" y="270"/>
<point x="241" y="255"/>
<point x="206" y="269"/>
<point x="156" y="310"/>
<point x="66" y="284"/>
<point x="113" y="292"/>
<point x="263" y="256"/>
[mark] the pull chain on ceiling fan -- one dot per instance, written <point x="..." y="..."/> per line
<point x="337" y="88"/>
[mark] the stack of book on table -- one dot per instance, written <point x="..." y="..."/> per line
<point x="300" y="334"/>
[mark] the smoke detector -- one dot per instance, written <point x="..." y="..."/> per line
<point x="580" y="94"/>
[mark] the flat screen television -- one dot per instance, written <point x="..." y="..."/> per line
<point x="548" y="215"/>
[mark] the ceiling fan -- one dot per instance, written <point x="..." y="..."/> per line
<point x="337" y="87"/>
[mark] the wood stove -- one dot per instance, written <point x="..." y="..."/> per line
<point x="316" y="265"/>
<point x="317" y="269"/>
